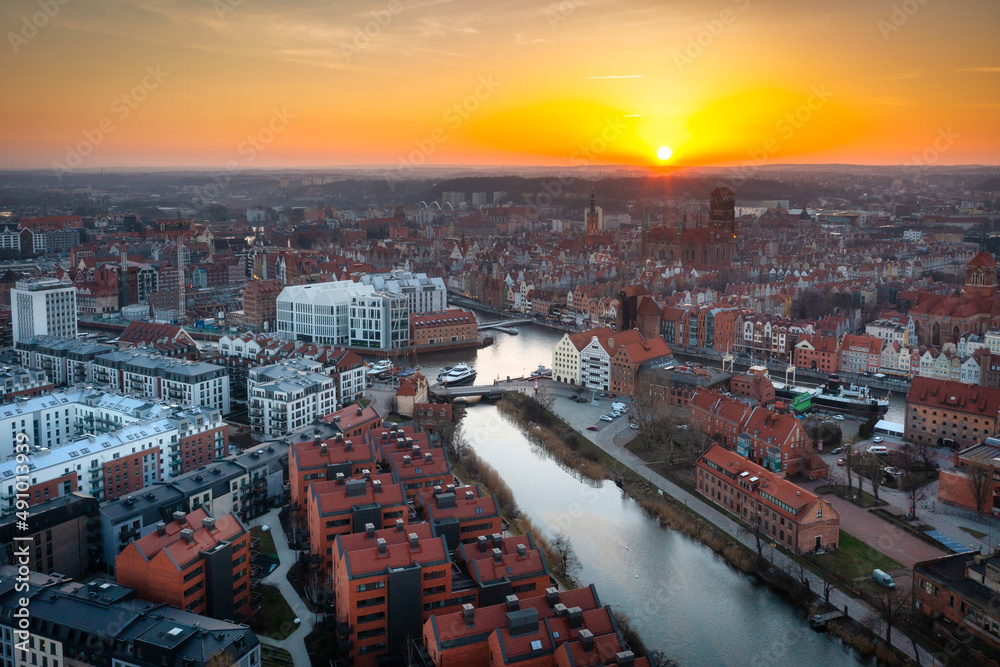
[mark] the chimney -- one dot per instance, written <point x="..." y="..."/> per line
<point x="575" y="615"/>
<point x="625" y="659"/>
<point x="437" y="490"/>
<point x="377" y="485"/>
<point x="161" y="528"/>
<point x="208" y="523"/>
<point x="428" y="457"/>
<point x="481" y="543"/>
<point x="406" y="460"/>
<point x="497" y="556"/>
<point x="450" y="488"/>
<point x="415" y="450"/>
<point x="560" y="609"/>
<point x="179" y="517"/>
<point x="340" y="436"/>
<point x="551" y="596"/>
<point x="323" y="449"/>
<point x="469" y="495"/>
<point x="469" y="614"/>
<point x="513" y="604"/>
<point x="366" y="473"/>
<point x="188" y="535"/>
<point x="340" y="479"/>
<point x="370" y="530"/>
<point x="414" y="541"/>
<point x="400" y="443"/>
<point x="385" y="436"/>
<point x="587" y="639"/>
<point x="522" y="551"/>
<point x="381" y="546"/>
<point x="399" y="525"/>
<point x="348" y="446"/>
<point x="497" y="539"/>
<point x="361" y="411"/>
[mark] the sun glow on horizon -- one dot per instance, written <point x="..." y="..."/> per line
<point x="664" y="153"/>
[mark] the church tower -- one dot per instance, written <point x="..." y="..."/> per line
<point x="593" y="217"/>
<point x="981" y="276"/>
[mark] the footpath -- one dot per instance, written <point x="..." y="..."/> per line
<point x="295" y="642"/>
<point x="856" y="609"/>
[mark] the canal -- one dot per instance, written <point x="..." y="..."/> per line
<point x="681" y="597"/>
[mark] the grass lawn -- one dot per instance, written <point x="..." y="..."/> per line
<point x="266" y="540"/>
<point x="855" y="559"/>
<point x="365" y="402"/>
<point x="275" y="618"/>
<point x="978" y="534"/>
<point x="272" y="656"/>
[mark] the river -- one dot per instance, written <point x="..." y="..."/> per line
<point x="681" y="597"/>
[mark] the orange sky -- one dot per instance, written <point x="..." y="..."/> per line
<point x="269" y="83"/>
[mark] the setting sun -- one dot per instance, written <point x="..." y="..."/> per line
<point x="664" y="152"/>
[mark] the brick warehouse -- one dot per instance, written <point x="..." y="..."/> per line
<point x="938" y="409"/>
<point x="787" y="513"/>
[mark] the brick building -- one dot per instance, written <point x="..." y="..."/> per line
<point x="61" y="532"/>
<point x="343" y="506"/>
<point x="503" y="566"/>
<point x="937" y="409"/>
<point x="758" y="387"/>
<point x="260" y="299"/>
<point x="861" y="353"/>
<point x="386" y="589"/>
<point x="817" y="352"/>
<point x="628" y="359"/>
<point x="420" y="469"/>
<point x="195" y="563"/>
<point x="798" y="519"/>
<point x="956" y="486"/>
<point x="460" y="514"/>
<point x="412" y="390"/>
<point x="321" y="460"/>
<point x="963" y="589"/>
<point x="443" y="326"/>
<point x="431" y="417"/>
<point x="721" y="417"/>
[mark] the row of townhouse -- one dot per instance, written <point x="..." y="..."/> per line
<point x="603" y="360"/>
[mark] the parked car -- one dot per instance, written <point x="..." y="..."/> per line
<point x="592" y="428"/>
<point x="607" y="418"/>
<point x="633" y="426"/>
<point x="840" y="462"/>
<point x="878" y="449"/>
<point x="839" y="418"/>
<point x="878" y="438"/>
<point x="835" y="450"/>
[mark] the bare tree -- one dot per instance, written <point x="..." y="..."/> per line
<point x="911" y="482"/>
<point x="650" y="411"/>
<point x="827" y="589"/>
<point x="657" y="658"/>
<point x="924" y="453"/>
<point x="458" y="446"/>
<point x="981" y="484"/>
<point x="848" y="452"/>
<point x="890" y="605"/>
<point x="544" y="395"/>
<point x="567" y="564"/>
<point x="876" y="474"/>
<point x="755" y="528"/>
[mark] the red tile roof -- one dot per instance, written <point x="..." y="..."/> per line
<point x="954" y="396"/>
<point x="368" y="561"/>
<point x="181" y="552"/>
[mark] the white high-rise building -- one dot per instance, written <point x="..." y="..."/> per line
<point x="318" y="313"/>
<point x="43" y="307"/>
<point x="380" y="320"/>
<point x="423" y="294"/>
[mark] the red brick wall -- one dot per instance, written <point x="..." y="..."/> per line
<point x="954" y="489"/>
<point x="37" y="493"/>
<point x="199" y="450"/>
<point x="124" y="475"/>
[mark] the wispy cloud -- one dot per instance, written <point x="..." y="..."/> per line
<point x="618" y="76"/>
<point x="986" y="70"/>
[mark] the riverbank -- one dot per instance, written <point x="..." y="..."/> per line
<point x="782" y="575"/>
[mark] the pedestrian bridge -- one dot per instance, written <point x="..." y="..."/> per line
<point x="499" y="324"/>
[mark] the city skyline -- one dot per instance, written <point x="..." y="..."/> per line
<point x="253" y="85"/>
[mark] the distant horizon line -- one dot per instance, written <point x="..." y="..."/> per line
<point x="412" y="171"/>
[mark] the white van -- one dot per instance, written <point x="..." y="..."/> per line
<point x="883" y="578"/>
<point x="878" y="449"/>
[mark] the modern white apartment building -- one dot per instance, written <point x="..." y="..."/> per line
<point x="318" y="313"/>
<point x="151" y="376"/>
<point x="423" y="294"/>
<point x="380" y="320"/>
<point x="66" y="361"/>
<point x="595" y="365"/>
<point x="43" y="307"/>
<point x="288" y="395"/>
<point x="130" y="456"/>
